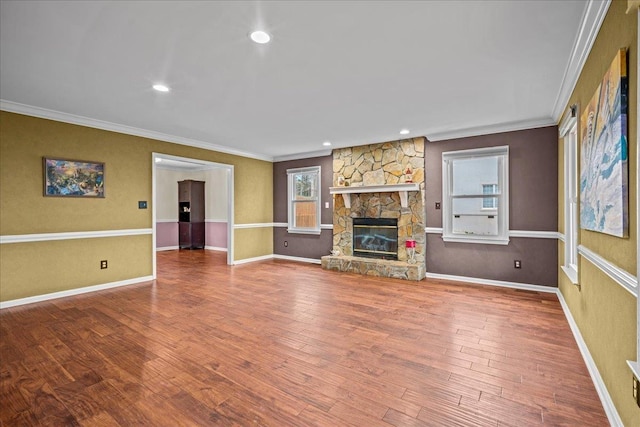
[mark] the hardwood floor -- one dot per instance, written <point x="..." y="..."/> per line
<point x="279" y="343"/>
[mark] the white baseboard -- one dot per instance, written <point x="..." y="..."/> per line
<point x="72" y="292"/>
<point x="276" y="256"/>
<point x="215" y="248"/>
<point x="601" y="388"/>
<point x="248" y="260"/>
<point x="515" y="285"/>
<point x="297" y="258"/>
<point x="175" y="248"/>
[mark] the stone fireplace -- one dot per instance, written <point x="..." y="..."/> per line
<point x="374" y="186"/>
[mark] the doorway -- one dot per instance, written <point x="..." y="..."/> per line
<point x="190" y="168"/>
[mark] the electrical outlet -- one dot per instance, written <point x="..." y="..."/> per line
<point x="286" y="244"/>
<point x="103" y="264"/>
<point x="517" y="263"/>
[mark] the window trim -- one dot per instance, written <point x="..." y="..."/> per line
<point x="502" y="152"/>
<point x="568" y="131"/>
<point x="291" y="173"/>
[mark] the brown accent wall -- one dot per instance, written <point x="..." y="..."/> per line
<point x="533" y="206"/>
<point x="302" y="245"/>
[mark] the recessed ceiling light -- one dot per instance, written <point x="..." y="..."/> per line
<point x="260" y="37"/>
<point x="161" y="88"/>
<point x="404" y="132"/>
<point x="326" y="143"/>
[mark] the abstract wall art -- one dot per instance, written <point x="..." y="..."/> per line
<point x="604" y="169"/>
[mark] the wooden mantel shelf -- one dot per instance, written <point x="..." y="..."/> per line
<point x="402" y="190"/>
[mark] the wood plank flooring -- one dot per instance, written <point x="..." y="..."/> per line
<point x="278" y="343"/>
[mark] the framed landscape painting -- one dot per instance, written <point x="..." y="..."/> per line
<point x="604" y="155"/>
<point x="73" y="178"/>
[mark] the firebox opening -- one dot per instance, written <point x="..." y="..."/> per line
<point x="375" y="237"/>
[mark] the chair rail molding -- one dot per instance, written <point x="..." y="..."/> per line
<point x="44" y="237"/>
<point x="620" y="276"/>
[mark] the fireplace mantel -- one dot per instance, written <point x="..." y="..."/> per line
<point x="402" y="190"/>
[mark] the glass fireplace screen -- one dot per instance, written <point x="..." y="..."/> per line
<point x="375" y="237"/>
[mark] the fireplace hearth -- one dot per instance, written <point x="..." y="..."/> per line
<point x="375" y="238"/>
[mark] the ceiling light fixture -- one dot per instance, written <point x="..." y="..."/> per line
<point x="160" y="87"/>
<point x="326" y="143"/>
<point x="260" y="37"/>
<point x="404" y="132"/>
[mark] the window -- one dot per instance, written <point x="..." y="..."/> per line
<point x="473" y="211"/>
<point x="489" y="202"/>
<point x="304" y="200"/>
<point x="569" y="134"/>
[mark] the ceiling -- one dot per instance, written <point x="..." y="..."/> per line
<point x="348" y="72"/>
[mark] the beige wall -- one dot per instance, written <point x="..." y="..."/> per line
<point x="603" y="310"/>
<point x="167" y="193"/>
<point x="216" y="203"/>
<point x="29" y="269"/>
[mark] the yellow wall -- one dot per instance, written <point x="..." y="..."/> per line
<point x="38" y="268"/>
<point x="253" y="242"/>
<point x="29" y="269"/>
<point x="603" y="310"/>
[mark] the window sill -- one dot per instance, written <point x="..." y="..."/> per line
<point x="476" y="240"/>
<point x="299" y="231"/>
<point x="571" y="274"/>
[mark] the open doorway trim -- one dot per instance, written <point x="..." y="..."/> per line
<point x="206" y="164"/>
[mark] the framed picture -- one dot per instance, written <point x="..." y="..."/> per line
<point x="604" y="154"/>
<point x="73" y="178"/>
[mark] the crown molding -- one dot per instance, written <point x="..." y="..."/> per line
<point x="591" y="21"/>
<point x="44" y="113"/>
<point x="298" y="156"/>
<point x="444" y="134"/>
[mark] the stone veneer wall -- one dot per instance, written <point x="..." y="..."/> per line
<point x="378" y="164"/>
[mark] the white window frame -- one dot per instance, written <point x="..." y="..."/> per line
<point x="568" y="131"/>
<point x="291" y="174"/>
<point x="448" y="158"/>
